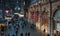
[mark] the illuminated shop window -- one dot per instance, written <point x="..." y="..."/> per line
<point x="45" y="17"/>
<point x="34" y="16"/>
<point x="44" y="27"/>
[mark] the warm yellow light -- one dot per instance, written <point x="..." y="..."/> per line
<point x="8" y="18"/>
<point x="44" y="27"/>
<point x="38" y="25"/>
<point x="58" y="30"/>
<point x="2" y="25"/>
<point x="54" y="31"/>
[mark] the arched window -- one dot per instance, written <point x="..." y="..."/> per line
<point x="57" y="20"/>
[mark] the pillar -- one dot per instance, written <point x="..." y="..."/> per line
<point x="51" y="19"/>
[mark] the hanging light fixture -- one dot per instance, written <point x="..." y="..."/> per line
<point x="17" y="8"/>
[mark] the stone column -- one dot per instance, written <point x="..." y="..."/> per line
<point x="51" y="19"/>
<point x="40" y="14"/>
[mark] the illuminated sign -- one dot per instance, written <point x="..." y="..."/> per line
<point x="7" y="11"/>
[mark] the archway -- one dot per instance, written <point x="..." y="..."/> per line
<point x="56" y="20"/>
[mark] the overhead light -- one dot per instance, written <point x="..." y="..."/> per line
<point x="17" y="7"/>
<point x="16" y="13"/>
<point x="8" y="18"/>
<point x="21" y="15"/>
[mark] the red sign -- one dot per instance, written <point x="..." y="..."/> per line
<point x="34" y="16"/>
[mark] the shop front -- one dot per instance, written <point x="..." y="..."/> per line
<point x="34" y="15"/>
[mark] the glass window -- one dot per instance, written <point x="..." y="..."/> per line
<point x="57" y="21"/>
